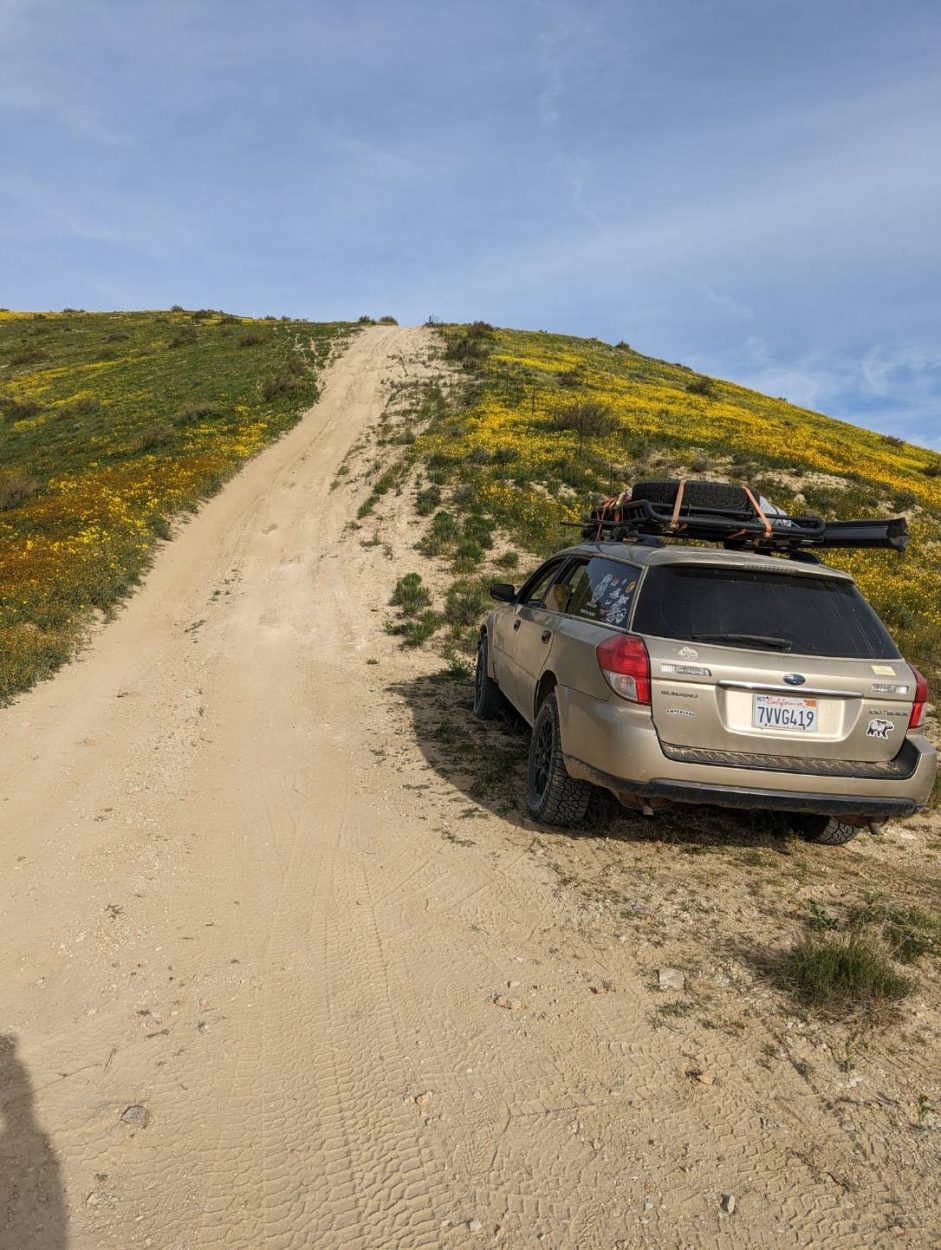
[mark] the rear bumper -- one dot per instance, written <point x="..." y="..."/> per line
<point x="615" y="745"/>
<point x="750" y="798"/>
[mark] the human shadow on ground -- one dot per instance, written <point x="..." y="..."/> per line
<point x="33" y="1214"/>
<point x="486" y="761"/>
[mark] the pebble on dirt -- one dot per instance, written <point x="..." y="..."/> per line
<point x="671" y="979"/>
<point x="475" y="1226"/>
<point x="728" y="1203"/>
<point x="508" y="1004"/>
<point x="137" y="1115"/>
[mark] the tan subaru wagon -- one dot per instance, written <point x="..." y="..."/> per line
<point x="695" y="675"/>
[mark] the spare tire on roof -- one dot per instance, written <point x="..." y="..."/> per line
<point x="722" y="496"/>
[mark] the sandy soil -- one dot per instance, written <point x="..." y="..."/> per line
<point x="257" y="907"/>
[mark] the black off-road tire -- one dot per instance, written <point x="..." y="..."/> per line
<point x="552" y="796"/>
<point x="698" y="494"/>
<point x="489" y="700"/>
<point x="824" y="830"/>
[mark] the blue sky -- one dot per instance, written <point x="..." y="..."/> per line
<point x="751" y="187"/>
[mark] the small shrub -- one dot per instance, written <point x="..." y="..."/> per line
<point x="701" y="386"/>
<point x="427" y="500"/>
<point x="14" y="488"/>
<point x="509" y="560"/>
<point x="416" y="631"/>
<point x="31" y="356"/>
<point x="182" y="336"/>
<point x="388" y="321"/>
<point x="467" y="555"/>
<point x="366" y="321"/>
<point x="479" y="529"/>
<point x="251" y="338"/>
<point x="177" y="308"/>
<point x="199" y="412"/>
<point x="839" y="974"/>
<point x="410" y="595"/>
<point x="279" y="384"/>
<point x="155" y="435"/>
<point x="572" y="379"/>
<point x="466" y="497"/>
<point x="472" y="347"/>
<point x="19" y="409"/>
<point x="891" y="440"/>
<point x="445" y="527"/>
<point x="87" y="406"/>
<point x="587" y="420"/>
<point x="505" y="455"/>
<point x="466" y="602"/>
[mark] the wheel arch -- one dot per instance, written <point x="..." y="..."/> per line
<point x="544" y="687"/>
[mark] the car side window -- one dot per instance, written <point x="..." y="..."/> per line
<point x="601" y="590"/>
<point x="534" y="590"/>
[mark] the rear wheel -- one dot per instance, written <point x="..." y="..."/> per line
<point x="552" y="796"/>
<point x="489" y="701"/>
<point x="826" y="830"/>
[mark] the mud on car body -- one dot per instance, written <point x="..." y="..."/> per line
<point x="735" y="676"/>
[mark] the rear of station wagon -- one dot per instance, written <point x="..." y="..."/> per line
<point x="710" y="676"/>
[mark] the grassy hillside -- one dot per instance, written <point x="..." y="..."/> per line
<point x="546" y="423"/>
<point x="111" y="424"/>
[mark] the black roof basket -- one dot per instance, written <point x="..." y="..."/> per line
<point x="750" y="527"/>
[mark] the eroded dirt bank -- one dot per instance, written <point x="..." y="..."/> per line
<point x="244" y="907"/>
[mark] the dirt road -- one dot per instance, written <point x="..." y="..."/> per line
<point x="242" y="911"/>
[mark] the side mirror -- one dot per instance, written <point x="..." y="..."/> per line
<point x="505" y="592"/>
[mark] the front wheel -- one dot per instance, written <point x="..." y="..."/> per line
<point x="552" y="796"/>
<point x="825" y="830"/>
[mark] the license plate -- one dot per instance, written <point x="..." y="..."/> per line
<point x="783" y="712"/>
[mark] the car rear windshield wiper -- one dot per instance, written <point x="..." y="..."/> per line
<point x="747" y="640"/>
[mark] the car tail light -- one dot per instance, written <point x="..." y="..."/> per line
<point x="917" y="718"/>
<point x="626" y="666"/>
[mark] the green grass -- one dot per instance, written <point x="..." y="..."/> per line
<point x="840" y="974"/>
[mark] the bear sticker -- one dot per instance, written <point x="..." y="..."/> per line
<point x="879" y="728"/>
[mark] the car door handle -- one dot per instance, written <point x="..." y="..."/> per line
<point x="546" y="635"/>
<point x="517" y="623"/>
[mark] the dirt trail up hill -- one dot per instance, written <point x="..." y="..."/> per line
<point x="249" y="965"/>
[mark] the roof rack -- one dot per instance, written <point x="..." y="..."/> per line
<point x="752" y="527"/>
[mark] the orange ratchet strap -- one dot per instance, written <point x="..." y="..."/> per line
<point x="677" y="504"/>
<point x="757" y="506"/>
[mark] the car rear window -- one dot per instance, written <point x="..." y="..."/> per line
<point x="816" y="615"/>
